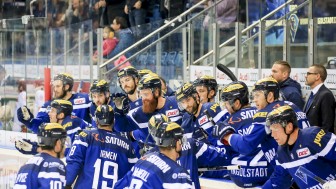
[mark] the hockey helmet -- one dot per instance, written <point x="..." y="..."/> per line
<point x="62" y="106"/>
<point x="66" y="78"/>
<point x="185" y="91"/>
<point x="149" y="81"/>
<point x="99" y="86"/>
<point x="268" y="84"/>
<point x="207" y="81"/>
<point x="235" y="90"/>
<point x="128" y="71"/>
<point x="104" y="115"/>
<point x="282" y="115"/>
<point x="167" y="134"/>
<point x="144" y="72"/>
<point x="155" y="121"/>
<point x="49" y="133"/>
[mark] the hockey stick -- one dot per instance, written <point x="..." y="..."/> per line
<point x="311" y="175"/>
<point x="209" y="117"/>
<point x="227" y="71"/>
<point x="219" y="168"/>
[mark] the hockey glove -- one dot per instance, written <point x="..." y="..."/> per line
<point x="128" y="135"/>
<point x="200" y="134"/>
<point x="26" y="146"/>
<point x="25" y="116"/>
<point x="122" y="105"/>
<point x="222" y="129"/>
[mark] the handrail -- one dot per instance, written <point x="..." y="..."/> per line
<point x="154" y="33"/>
<point x="245" y="30"/>
<point x="161" y="38"/>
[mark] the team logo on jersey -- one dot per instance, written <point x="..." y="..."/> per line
<point x="303" y="152"/>
<point x="203" y="120"/>
<point x="173" y="112"/>
<point x="79" y="101"/>
<point x="301" y="175"/>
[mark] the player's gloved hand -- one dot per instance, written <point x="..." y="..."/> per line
<point x="26" y="146"/>
<point x="128" y="135"/>
<point x="222" y="129"/>
<point x="329" y="185"/>
<point x="24" y="115"/>
<point x="122" y="105"/>
<point x="200" y="134"/>
<point x="117" y="95"/>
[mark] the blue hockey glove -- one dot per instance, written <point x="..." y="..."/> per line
<point x="25" y="116"/>
<point x="26" y="146"/>
<point x="122" y="105"/>
<point x="200" y="134"/>
<point x="222" y="129"/>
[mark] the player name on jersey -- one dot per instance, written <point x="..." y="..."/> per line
<point x="159" y="163"/>
<point x="140" y="173"/>
<point x="250" y="172"/>
<point x="108" y="155"/>
<point x="117" y="141"/>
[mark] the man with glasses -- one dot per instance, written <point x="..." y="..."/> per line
<point x="320" y="106"/>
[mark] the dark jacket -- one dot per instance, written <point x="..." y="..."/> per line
<point x="290" y="90"/>
<point x="321" y="111"/>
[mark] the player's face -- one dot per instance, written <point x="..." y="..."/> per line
<point x="149" y="102"/>
<point x="277" y="72"/>
<point x="58" y="89"/>
<point x="203" y="94"/>
<point x="189" y="104"/>
<point x="99" y="98"/>
<point x="53" y="115"/>
<point x="228" y="107"/>
<point x="127" y="83"/>
<point x="259" y="99"/>
<point x="278" y="134"/>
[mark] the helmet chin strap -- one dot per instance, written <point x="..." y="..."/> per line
<point x="288" y="135"/>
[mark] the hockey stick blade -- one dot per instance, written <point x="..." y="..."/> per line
<point x="219" y="168"/>
<point x="227" y="72"/>
<point x="311" y="175"/>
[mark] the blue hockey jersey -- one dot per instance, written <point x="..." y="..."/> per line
<point x="314" y="150"/>
<point x="255" y="170"/>
<point x="190" y="123"/>
<point x="155" y="170"/>
<point x="42" y="171"/>
<point x="139" y="119"/>
<point x="246" y="144"/>
<point x="99" y="158"/>
<point x="81" y="107"/>
<point x="197" y="154"/>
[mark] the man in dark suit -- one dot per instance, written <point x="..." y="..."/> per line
<point x="320" y="107"/>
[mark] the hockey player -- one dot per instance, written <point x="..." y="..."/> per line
<point x="302" y="153"/>
<point x="196" y="121"/>
<point x="60" y="112"/>
<point x="159" y="169"/>
<point x="62" y="86"/>
<point x="206" y="87"/>
<point x="194" y="154"/>
<point x="255" y="170"/>
<point x="152" y="103"/>
<point x="45" y="170"/>
<point x="99" y="157"/>
<point x="265" y="96"/>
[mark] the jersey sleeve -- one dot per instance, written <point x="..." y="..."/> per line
<point x="279" y="179"/>
<point x="208" y="156"/>
<point x="76" y="157"/>
<point x="323" y="143"/>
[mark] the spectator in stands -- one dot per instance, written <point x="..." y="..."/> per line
<point x="21" y="101"/>
<point x="5" y="80"/>
<point x="226" y="16"/>
<point x="136" y="10"/>
<point x="320" y="107"/>
<point x="125" y="36"/>
<point x="290" y="89"/>
<point x="114" y="8"/>
<point x="109" y="43"/>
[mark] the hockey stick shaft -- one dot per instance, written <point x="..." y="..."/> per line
<point x="209" y="117"/>
<point x="311" y="175"/>
<point x="227" y="72"/>
<point x="219" y="168"/>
